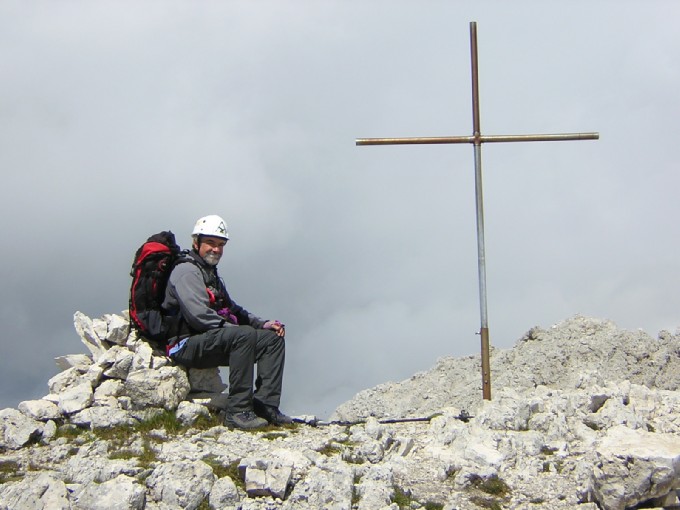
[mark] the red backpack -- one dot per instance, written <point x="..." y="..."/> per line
<point x="151" y="269"/>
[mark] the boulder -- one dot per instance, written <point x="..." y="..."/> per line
<point x="165" y="387"/>
<point x="17" y="429"/>
<point x="635" y="466"/>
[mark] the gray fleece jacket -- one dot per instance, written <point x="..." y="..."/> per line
<point x="186" y="297"/>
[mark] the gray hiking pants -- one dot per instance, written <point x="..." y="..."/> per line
<point x="239" y="348"/>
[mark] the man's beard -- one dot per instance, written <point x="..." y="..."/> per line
<point x="212" y="259"/>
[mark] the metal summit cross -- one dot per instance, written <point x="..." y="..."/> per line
<point x="477" y="139"/>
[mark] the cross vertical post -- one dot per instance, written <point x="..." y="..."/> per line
<point x="479" y="201"/>
<point x="477" y="139"/>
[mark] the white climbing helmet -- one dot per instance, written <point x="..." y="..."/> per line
<point x="211" y="225"/>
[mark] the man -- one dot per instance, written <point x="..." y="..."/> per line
<point x="208" y="329"/>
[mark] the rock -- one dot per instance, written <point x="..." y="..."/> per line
<point x="40" y="410"/>
<point x="63" y="380"/>
<point x="102" y="417"/>
<point x="120" y="493"/>
<point x="17" y="429"/>
<point x="40" y="491"/>
<point x="142" y="358"/>
<point x="118" y="329"/>
<point x="329" y="486"/>
<point x="188" y="412"/>
<point x="76" y="398"/>
<point x="635" y="466"/>
<point x="79" y="361"/>
<point x="206" y="380"/>
<point x="224" y="493"/>
<point x="165" y="387"/>
<point x="265" y="478"/>
<point x="181" y="484"/>
<point x="116" y="362"/>
<point x="85" y="328"/>
<point x="108" y="388"/>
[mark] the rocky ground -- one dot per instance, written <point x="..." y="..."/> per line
<point x="584" y="415"/>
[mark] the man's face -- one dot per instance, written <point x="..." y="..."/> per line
<point x="210" y="249"/>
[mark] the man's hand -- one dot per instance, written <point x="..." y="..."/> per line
<point x="275" y="326"/>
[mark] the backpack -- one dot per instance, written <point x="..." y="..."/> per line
<point x="151" y="268"/>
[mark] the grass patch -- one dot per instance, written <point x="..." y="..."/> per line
<point x="431" y="505"/>
<point x="9" y="470"/>
<point x="271" y="436"/>
<point x="207" y="422"/>
<point x="489" y="503"/>
<point x="148" y="456"/>
<point x="330" y="449"/>
<point x="402" y="498"/>
<point x="167" y="421"/>
<point x="546" y="450"/>
<point x="355" y="493"/>
<point x="221" y="470"/>
<point x="493" y="485"/>
<point x="205" y="505"/>
<point x="70" y="432"/>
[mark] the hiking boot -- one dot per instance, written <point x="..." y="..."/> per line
<point x="246" y="420"/>
<point x="270" y="413"/>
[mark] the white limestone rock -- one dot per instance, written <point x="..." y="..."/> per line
<point x="120" y="493"/>
<point x="17" y="429"/>
<point x="76" y="398"/>
<point x="108" y="388"/>
<point x="116" y="362"/>
<point x="634" y="466"/>
<point x="63" y="380"/>
<point x="85" y="329"/>
<point x="102" y="417"/>
<point x="327" y="486"/>
<point x="188" y="412"/>
<point x="79" y="361"/>
<point x="206" y="380"/>
<point x="224" y="493"/>
<point x="40" y="491"/>
<point x="181" y="484"/>
<point x="142" y="357"/>
<point x="41" y="410"/>
<point x="165" y="387"/>
<point x="118" y="329"/>
<point x="264" y="477"/>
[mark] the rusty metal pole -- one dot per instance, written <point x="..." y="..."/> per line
<point x="481" y="253"/>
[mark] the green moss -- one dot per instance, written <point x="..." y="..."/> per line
<point x="70" y="432"/>
<point x="9" y="471"/>
<point x="148" y="456"/>
<point x="546" y="450"/>
<point x="489" y="503"/>
<point x="221" y="470"/>
<point x="493" y="485"/>
<point x="401" y="497"/>
<point x="330" y="449"/>
<point x="167" y="421"/>
<point x="431" y="505"/>
<point x="271" y="436"/>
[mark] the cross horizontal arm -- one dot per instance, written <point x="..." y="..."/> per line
<point x="477" y="139"/>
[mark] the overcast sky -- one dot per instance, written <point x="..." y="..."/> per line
<point x="121" y="119"/>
